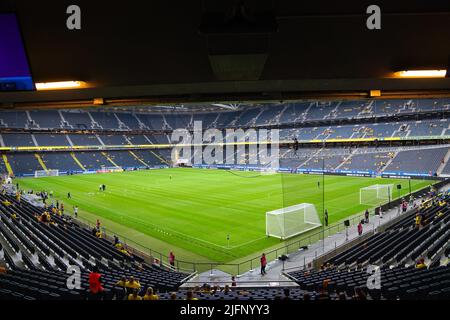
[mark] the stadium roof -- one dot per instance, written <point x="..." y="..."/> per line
<point x="164" y="51"/>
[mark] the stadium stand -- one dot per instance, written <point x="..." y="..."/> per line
<point x="418" y="161"/>
<point x="396" y="251"/>
<point x="44" y="139"/>
<point x="18" y="139"/>
<point x="37" y="254"/>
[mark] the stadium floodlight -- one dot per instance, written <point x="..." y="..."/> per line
<point x="61" y="85"/>
<point x="46" y="173"/>
<point x="288" y="222"/>
<point x="422" y="73"/>
<point x="376" y="194"/>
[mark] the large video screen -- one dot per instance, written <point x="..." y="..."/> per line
<point x="15" y="72"/>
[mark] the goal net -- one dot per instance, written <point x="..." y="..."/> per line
<point x="46" y="173"/>
<point x="376" y="194"/>
<point x="287" y="222"/>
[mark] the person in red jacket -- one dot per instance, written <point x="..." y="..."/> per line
<point x="95" y="285"/>
<point x="263" y="264"/>
<point x="360" y="228"/>
<point x="172" y="259"/>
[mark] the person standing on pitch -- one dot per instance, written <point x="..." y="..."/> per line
<point x="263" y="264"/>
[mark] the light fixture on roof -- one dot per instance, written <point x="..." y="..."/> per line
<point x="60" y="85"/>
<point x="437" y="73"/>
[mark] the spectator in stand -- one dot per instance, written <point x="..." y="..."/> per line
<point x="226" y="289"/>
<point x="173" y="296"/>
<point x="420" y="264"/>
<point x="122" y="282"/>
<point x="360" y="228"/>
<point x="190" y="295"/>
<point x="404" y="206"/>
<point x="417" y="220"/>
<point x="95" y="285"/>
<point x="263" y="264"/>
<point x="366" y="215"/>
<point x="150" y="295"/>
<point x="172" y="259"/>
<point x="342" y="296"/>
<point x="286" y="294"/>
<point x="359" y="294"/>
<point x="323" y="294"/>
<point x="134" y="295"/>
<point x="233" y="281"/>
<point x="75" y="211"/>
<point x="133" y="284"/>
<point x="306" y="297"/>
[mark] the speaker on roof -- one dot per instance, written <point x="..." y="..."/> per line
<point x="237" y="37"/>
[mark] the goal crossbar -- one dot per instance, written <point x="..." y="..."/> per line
<point x="290" y="221"/>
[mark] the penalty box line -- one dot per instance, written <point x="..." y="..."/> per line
<point x="167" y="231"/>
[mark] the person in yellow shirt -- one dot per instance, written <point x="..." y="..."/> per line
<point x="418" y="220"/>
<point x="14" y="216"/>
<point x="190" y="296"/>
<point x="133" y="284"/>
<point x="122" y="282"/>
<point x="134" y="296"/>
<point x="421" y="264"/>
<point x="150" y="295"/>
<point x="98" y="234"/>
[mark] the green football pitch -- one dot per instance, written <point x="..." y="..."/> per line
<point x="192" y="211"/>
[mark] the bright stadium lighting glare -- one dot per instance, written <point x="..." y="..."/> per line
<point x="61" y="85"/>
<point x="421" y="73"/>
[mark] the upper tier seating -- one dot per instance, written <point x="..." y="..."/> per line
<point x="256" y="115"/>
<point x="106" y="120"/>
<point x="48" y="119"/>
<point x="77" y="119"/>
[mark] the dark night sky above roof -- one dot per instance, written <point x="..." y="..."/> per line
<point x="128" y="43"/>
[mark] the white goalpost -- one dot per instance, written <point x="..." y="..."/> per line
<point x="46" y="173"/>
<point x="376" y="194"/>
<point x="288" y="222"/>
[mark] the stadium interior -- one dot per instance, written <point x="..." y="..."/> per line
<point x="344" y="124"/>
